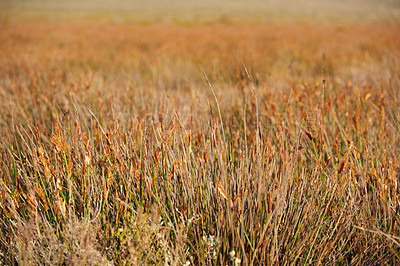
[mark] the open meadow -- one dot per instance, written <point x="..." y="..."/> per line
<point x="130" y="136"/>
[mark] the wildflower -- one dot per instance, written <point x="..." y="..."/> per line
<point x="237" y="261"/>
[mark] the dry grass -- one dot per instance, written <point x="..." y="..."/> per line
<point x="203" y="11"/>
<point x="116" y="149"/>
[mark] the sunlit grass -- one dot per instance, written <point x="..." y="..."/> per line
<point x="117" y="148"/>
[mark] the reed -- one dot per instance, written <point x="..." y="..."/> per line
<point x="132" y="156"/>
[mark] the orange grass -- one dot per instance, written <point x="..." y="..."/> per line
<point x="117" y="148"/>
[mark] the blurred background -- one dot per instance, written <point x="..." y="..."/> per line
<point x="205" y="11"/>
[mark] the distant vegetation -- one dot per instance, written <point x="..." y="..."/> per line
<point x="201" y="11"/>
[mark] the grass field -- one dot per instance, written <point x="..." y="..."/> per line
<point x="200" y="11"/>
<point x="133" y="136"/>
